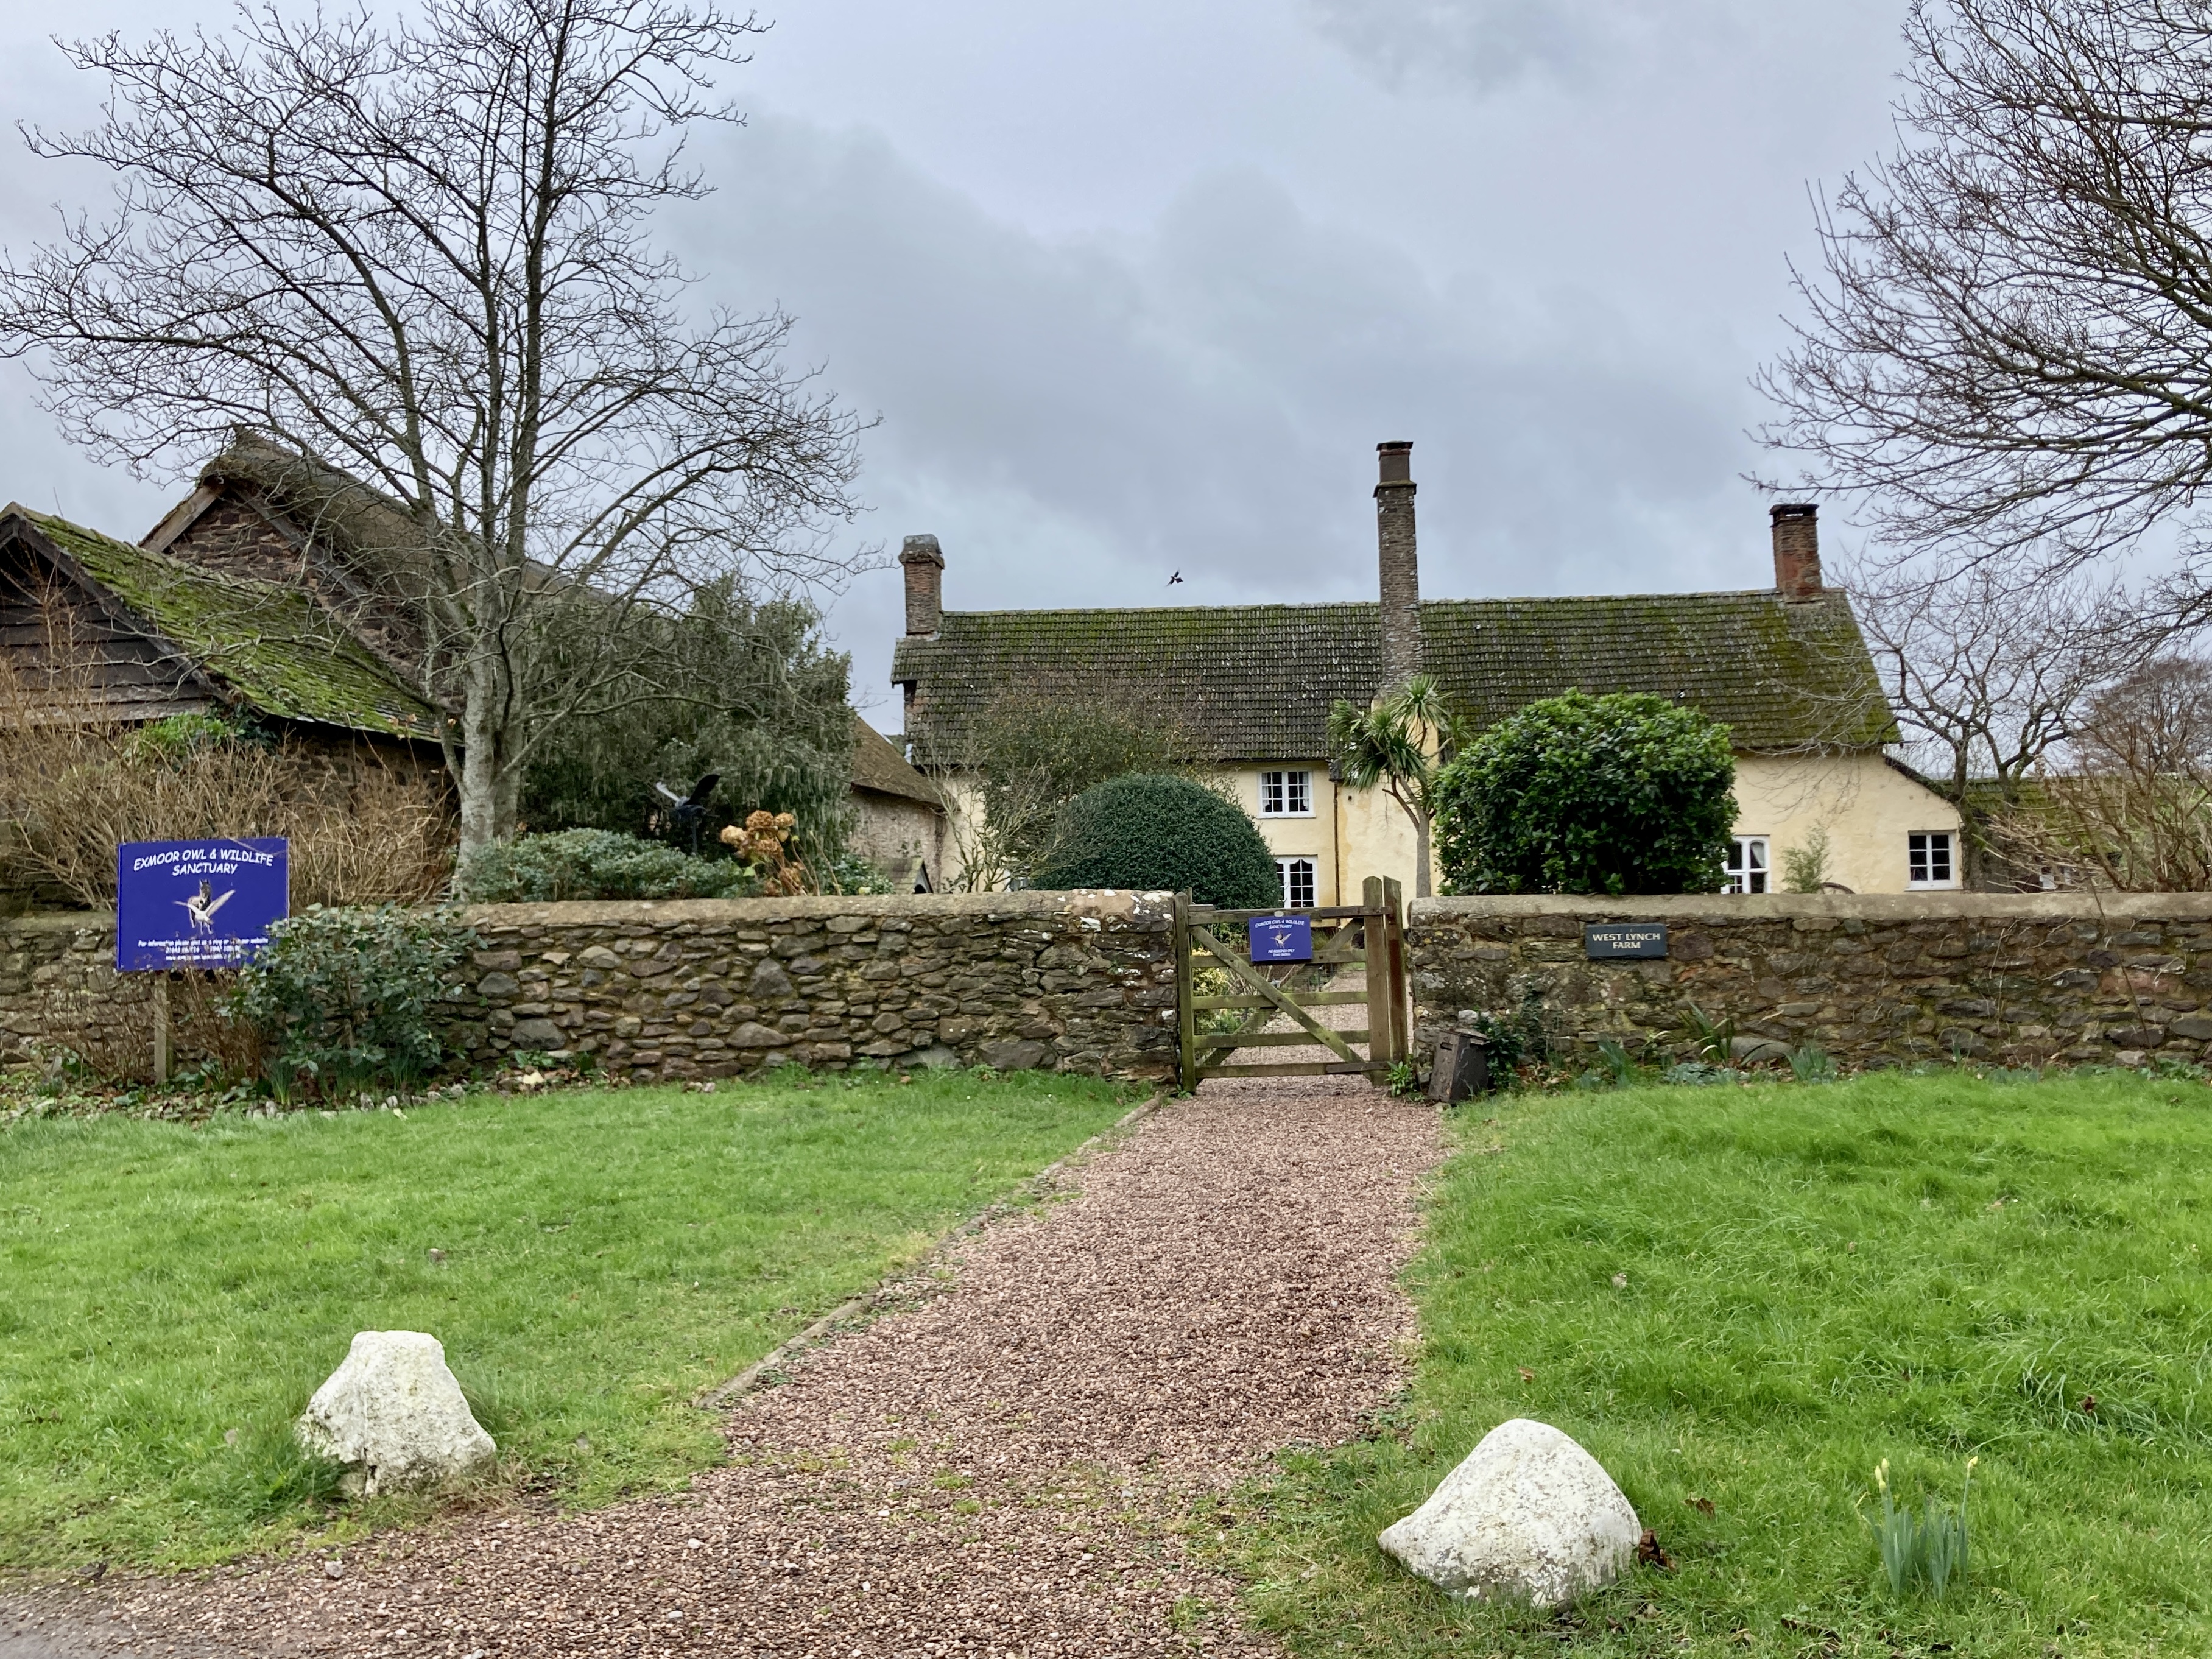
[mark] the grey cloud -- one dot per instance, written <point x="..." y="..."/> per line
<point x="1076" y="418"/>
<point x="1490" y="44"/>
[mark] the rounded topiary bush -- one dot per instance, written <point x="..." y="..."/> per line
<point x="1625" y="793"/>
<point x="1147" y="832"/>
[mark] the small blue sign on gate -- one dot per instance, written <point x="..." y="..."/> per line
<point x="205" y="904"/>
<point x="1280" y="938"/>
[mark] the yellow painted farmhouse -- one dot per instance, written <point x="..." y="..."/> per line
<point x="1784" y="667"/>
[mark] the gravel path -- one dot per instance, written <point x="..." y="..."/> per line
<point x="1011" y="1464"/>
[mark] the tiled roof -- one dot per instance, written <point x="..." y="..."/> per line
<point x="879" y="766"/>
<point x="1256" y="681"/>
<point x="283" y="653"/>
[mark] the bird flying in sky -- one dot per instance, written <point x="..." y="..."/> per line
<point x="1173" y="580"/>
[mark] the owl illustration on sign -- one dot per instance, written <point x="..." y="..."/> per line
<point x="202" y="906"/>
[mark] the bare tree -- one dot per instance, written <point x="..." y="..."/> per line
<point x="2157" y="719"/>
<point x="2010" y="346"/>
<point x="2133" y="812"/>
<point x="1987" y="667"/>
<point x="1009" y="770"/>
<point x="421" y="253"/>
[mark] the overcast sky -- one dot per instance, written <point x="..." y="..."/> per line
<point x="1137" y="287"/>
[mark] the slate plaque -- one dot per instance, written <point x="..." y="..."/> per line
<point x="1280" y="938"/>
<point x="197" y="903"/>
<point x="1604" y="941"/>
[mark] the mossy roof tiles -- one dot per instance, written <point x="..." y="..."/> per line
<point x="280" y="651"/>
<point x="878" y="765"/>
<point x="1256" y="681"/>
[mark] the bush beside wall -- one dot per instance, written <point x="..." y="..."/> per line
<point x="2022" y="979"/>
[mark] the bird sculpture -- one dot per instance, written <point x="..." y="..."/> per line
<point x="201" y="907"/>
<point x="687" y="809"/>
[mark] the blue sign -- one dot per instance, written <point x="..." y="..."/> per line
<point x="1280" y="938"/>
<point x="206" y="903"/>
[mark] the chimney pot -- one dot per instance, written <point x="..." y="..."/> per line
<point x="924" y="565"/>
<point x="1796" y="548"/>
<point x="1395" y="550"/>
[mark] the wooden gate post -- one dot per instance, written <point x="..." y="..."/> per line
<point x="1186" y="1016"/>
<point x="1375" y="944"/>
<point x="1402" y="1035"/>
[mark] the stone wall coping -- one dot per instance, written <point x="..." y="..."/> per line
<point x="59" y="921"/>
<point x="1105" y="904"/>
<point x="1724" y="907"/>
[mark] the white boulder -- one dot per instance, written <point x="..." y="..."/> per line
<point x="1529" y="1516"/>
<point x="393" y="1414"/>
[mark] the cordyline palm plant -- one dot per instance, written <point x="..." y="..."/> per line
<point x="1400" y="744"/>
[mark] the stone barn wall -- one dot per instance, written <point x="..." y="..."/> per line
<point x="716" y="987"/>
<point x="1875" y="980"/>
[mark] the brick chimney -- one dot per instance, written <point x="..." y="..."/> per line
<point x="1400" y="572"/>
<point x="1796" y="549"/>
<point x="924" y="585"/>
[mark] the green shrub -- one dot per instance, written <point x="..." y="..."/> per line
<point x="1511" y="1040"/>
<point x="343" y="996"/>
<point x="1149" y="830"/>
<point x="748" y="690"/>
<point x="851" y="874"/>
<point x="595" y="864"/>
<point x="1625" y="793"/>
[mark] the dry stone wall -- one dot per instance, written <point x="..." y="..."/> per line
<point x="58" y="985"/>
<point x="718" y="987"/>
<point x="2025" y="979"/>
<point x="713" y="987"/>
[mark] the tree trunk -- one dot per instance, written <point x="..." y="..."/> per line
<point x="1421" y="855"/>
<point x="479" y="790"/>
<point x="489" y="784"/>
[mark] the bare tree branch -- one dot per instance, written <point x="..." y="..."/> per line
<point x="421" y="251"/>
<point x="2008" y="349"/>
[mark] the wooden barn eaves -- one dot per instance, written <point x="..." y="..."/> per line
<point x="270" y="646"/>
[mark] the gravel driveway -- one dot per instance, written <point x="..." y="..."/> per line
<point x="1007" y="1465"/>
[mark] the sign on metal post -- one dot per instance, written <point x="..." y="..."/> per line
<point x="1280" y="938"/>
<point x="205" y="904"/>
<point x="1612" y="940"/>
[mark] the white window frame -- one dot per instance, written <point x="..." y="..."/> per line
<point x="1750" y="864"/>
<point x="1286" y="792"/>
<point x="1923" y="843"/>
<point x="1286" y="872"/>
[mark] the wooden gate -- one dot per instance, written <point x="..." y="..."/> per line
<point x="1370" y="935"/>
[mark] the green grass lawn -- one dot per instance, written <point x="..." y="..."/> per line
<point x="170" y="1295"/>
<point x="1922" y="1269"/>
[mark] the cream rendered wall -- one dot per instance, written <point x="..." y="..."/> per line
<point x="1353" y="835"/>
<point x="1313" y="838"/>
<point x="890" y="830"/>
<point x="1869" y="807"/>
<point x="1377" y="839"/>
